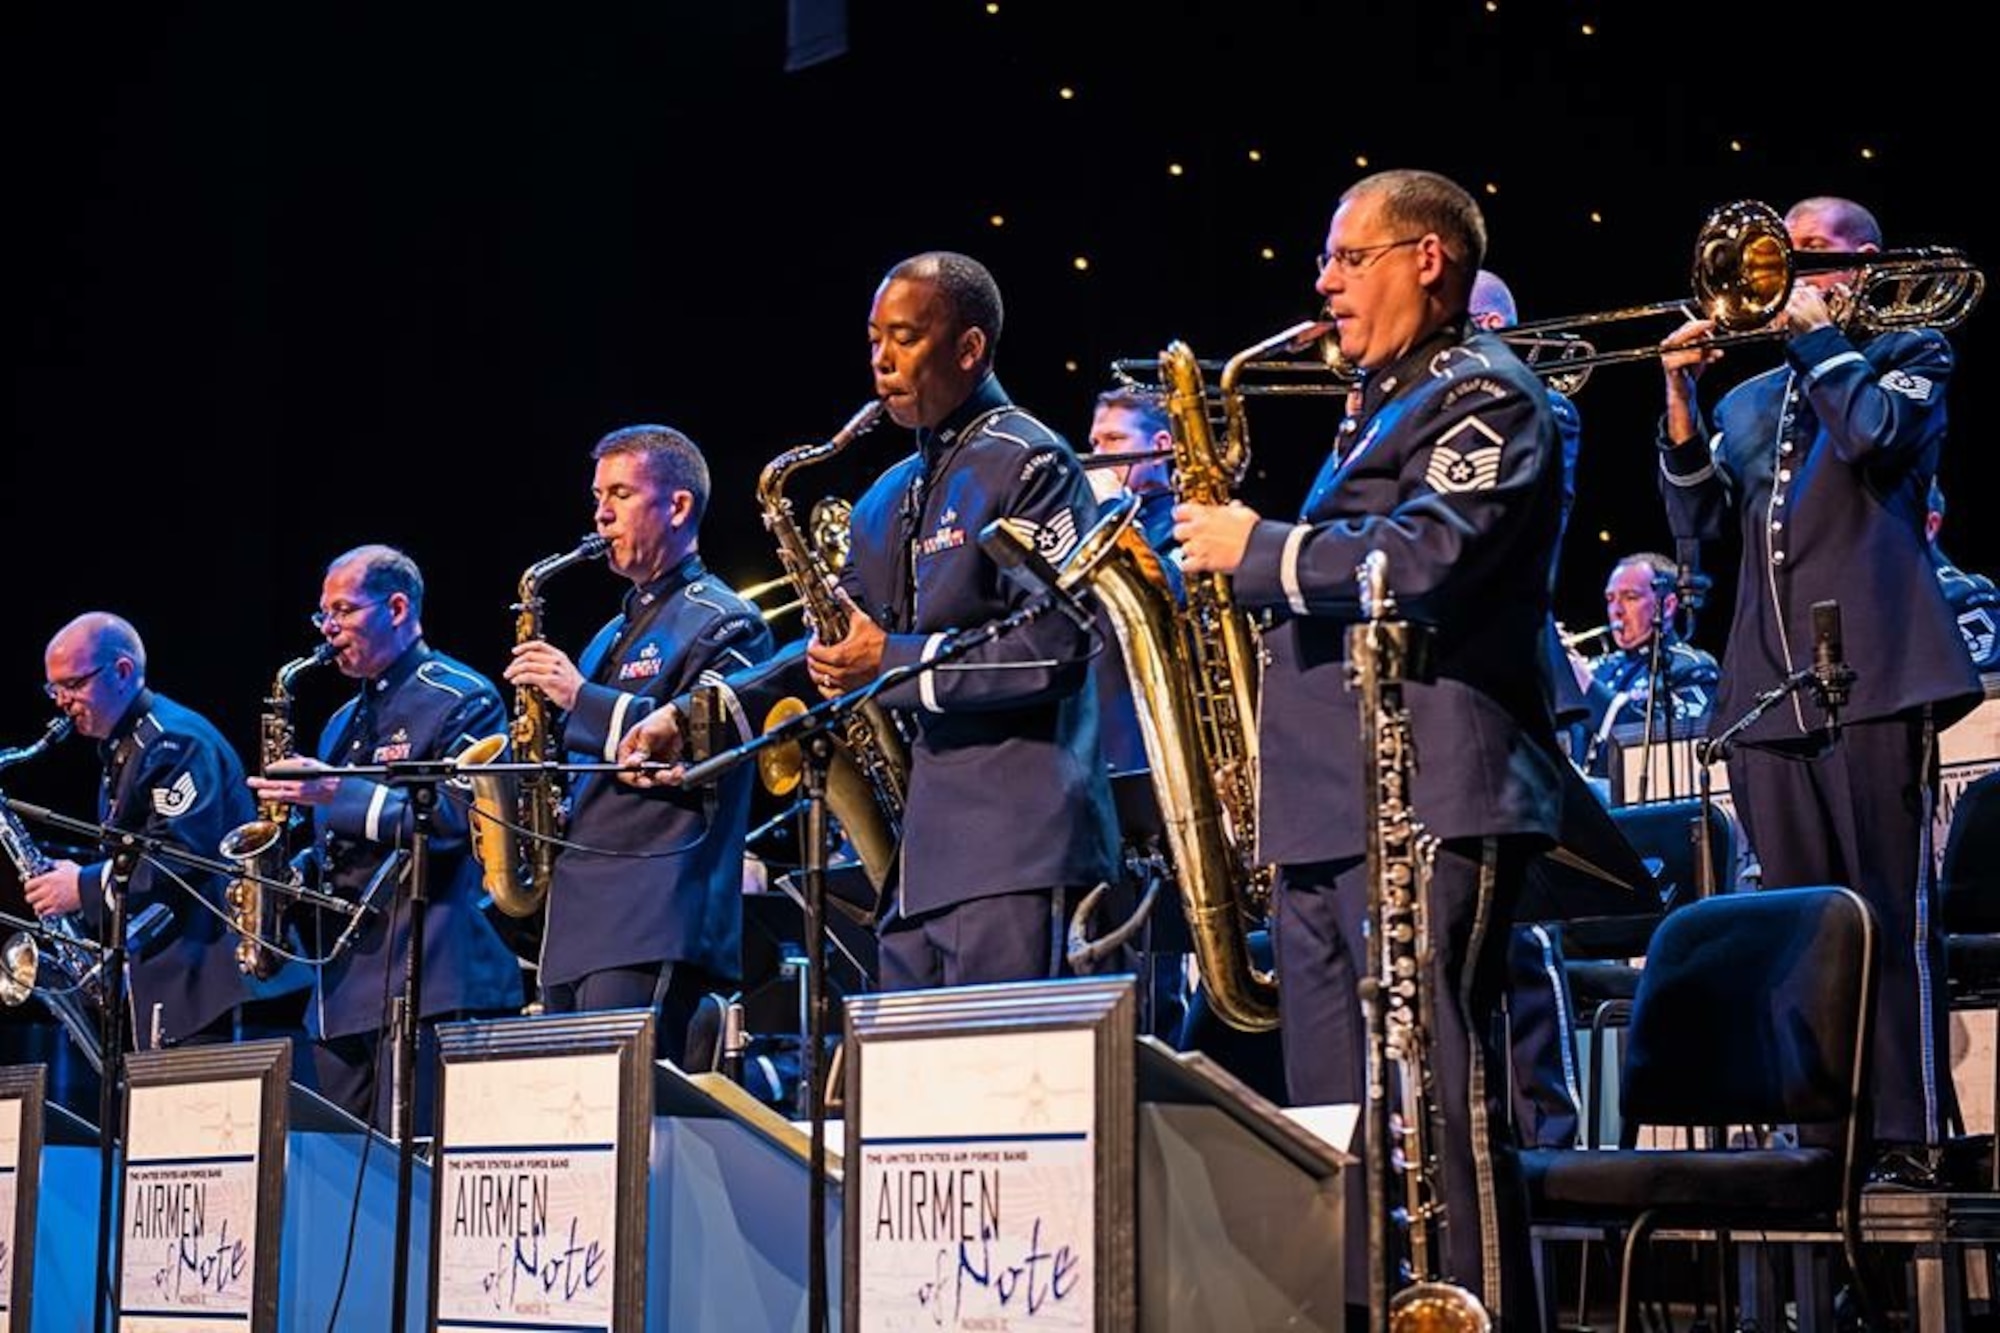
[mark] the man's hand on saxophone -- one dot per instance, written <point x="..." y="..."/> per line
<point x="1213" y="537"/>
<point x="54" y="892"/>
<point x="548" y="669"/>
<point x="298" y="791"/>
<point x="851" y="662"/>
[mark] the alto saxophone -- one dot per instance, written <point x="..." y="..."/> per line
<point x="506" y="809"/>
<point x="261" y="848"/>
<point x="1382" y="653"/>
<point x="72" y="992"/>
<point x="869" y="782"/>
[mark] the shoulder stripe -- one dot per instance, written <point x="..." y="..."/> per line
<point x="429" y="672"/>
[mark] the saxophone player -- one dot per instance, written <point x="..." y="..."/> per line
<point x="412" y="702"/>
<point x="1009" y="805"/>
<point x="167" y="774"/>
<point x="1450" y="464"/>
<point x="645" y="909"/>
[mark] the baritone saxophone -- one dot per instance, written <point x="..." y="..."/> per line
<point x="1193" y="671"/>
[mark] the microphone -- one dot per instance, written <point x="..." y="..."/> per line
<point x="1028" y="568"/>
<point x="704" y="739"/>
<point x="1830" y="672"/>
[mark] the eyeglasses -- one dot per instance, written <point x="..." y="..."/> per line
<point x="74" y="685"/>
<point x="1351" y="262"/>
<point x="338" y="615"/>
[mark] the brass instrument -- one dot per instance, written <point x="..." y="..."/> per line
<point x="1743" y="272"/>
<point x="71" y="991"/>
<point x="1194" y="670"/>
<point x="831" y="524"/>
<point x="261" y="848"/>
<point x="1382" y="653"/>
<point x="508" y="808"/>
<point x="869" y="780"/>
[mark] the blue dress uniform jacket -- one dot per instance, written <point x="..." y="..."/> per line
<point x="1455" y="473"/>
<point x="425" y="706"/>
<point x="1007" y="789"/>
<point x="168" y="774"/>
<point x="1830" y="519"/>
<point x="649" y="877"/>
<point x="1007" y="786"/>
<point x="1975" y="604"/>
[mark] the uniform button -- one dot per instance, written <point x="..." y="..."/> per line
<point x="1784" y="474"/>
<point x="1777" y="557"/>
<point x="1778" y="500"/>
<point x="1777" y="525"/>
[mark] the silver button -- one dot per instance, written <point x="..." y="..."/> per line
<point x="1785" y="448"/>
<point x="1784" y="474"/>
<point x="1777" y="525"/>
<point x="1778" y="500"/>
<point x="1777" y="557"/>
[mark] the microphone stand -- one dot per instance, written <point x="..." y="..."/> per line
<point x="1718" y="748"/>
<point x="812" y="730"/>
<point x="126" y="847"/>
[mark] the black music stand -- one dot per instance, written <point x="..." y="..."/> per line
<point x="812" y="731"/>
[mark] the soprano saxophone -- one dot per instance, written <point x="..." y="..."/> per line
<point x="506" y="809"/>
<point x="1382" y="653"/>
<point x="870" y="779"/>
<point x="261" y="848"/>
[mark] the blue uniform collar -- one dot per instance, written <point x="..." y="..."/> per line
<point x="1379" y="386"/>
<point x="982" y="401"/>
<point x="141" y="705"/>
<point x="644" y="595"/>
<point x="401" y="669"/>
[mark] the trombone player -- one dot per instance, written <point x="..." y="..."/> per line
<point x="1824" y="463"/>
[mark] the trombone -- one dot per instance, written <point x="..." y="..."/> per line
<point x="1743" y="273"/>
<point x="829" y="525"/>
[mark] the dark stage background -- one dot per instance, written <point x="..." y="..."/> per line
<point x="285" y="279"/>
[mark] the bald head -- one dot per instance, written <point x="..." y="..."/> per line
<point x="95" y="667"/>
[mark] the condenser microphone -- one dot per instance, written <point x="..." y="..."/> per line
<point x="704" y="739"/>
<point x="1831" y="674"/>
<point x="1027" y="568"/>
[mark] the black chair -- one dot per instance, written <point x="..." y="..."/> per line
<point x="1753" y="1011"/>
<point x="1969" y="907"/>
<point x="1597" y="954"/>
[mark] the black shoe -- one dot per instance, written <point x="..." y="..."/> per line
<point x="1908" y="1166"/>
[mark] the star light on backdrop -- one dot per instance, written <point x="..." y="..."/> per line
<point x="424" y="259"/>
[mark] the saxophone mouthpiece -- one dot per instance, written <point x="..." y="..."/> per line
<point x="57" y="731"/>
<point x="858" y="424"/>
<point x="592" y="547"/>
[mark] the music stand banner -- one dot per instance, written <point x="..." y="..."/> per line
<point x="21" y="1092"/>
<point x="989" y="1158"/>
<point x="203" y="1188"/>
<point x="539" y="1212"/>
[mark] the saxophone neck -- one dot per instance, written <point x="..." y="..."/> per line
<point x="592" y="547"/>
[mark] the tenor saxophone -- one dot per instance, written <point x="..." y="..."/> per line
<point x="1382" y="653"/>
<point x="869" y="782"/>
<point x="508" y="810"/>
<point x="261" y="848"/>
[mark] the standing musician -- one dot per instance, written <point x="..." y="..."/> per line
<point x="1009" y="807"/>
<point x="168" y="774"/>
<point x="1825" y="465"/>
<point x="1449" y="463"/>
<point x="645" y="910"/>
<point x="413" y="703"/>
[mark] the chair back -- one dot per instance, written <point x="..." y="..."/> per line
<point x="1754" y="1008"/>
<point x="1663" y="833"/>
<point x="1969" y="887"/>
